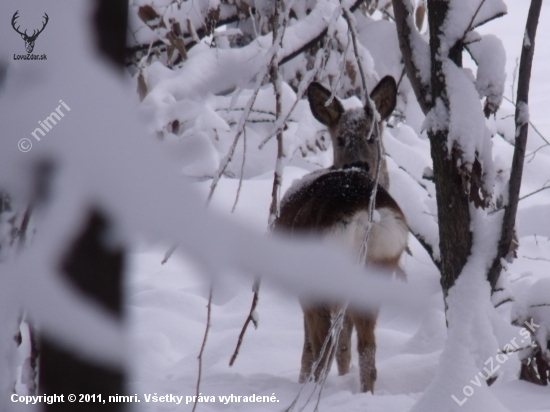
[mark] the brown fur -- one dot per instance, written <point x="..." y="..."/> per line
<point x="330" y="201"/>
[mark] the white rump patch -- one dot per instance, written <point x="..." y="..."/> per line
<point x="387" y="240"/>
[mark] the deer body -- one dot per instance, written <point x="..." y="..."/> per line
<point x="334" y="204"/>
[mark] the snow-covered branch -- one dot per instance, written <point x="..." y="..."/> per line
<point x="415" y="51"/>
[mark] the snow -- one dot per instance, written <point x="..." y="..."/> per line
<point x="466" y="121"/>
<point x="155" y="190"/>
<point x="532" y="307"/>
<point x="460" y="18"/>
<point x="420" y="48"/>
<point x="490" y="56"/>
<point x="526" y="40"/>
<point x="470" y="339"/>
<point x="523" y="115"/>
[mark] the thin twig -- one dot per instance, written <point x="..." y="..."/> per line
<point x="313" y="42"/>
<point x="351" y="27"/>
<point x="544" y="187"/>
<point x="387" y="14"/>
<point x="537" y="258"/>
<point x="536" y="191"/>
<point x="530" y="123"/>
<point x="374" y="129"/>
<point x="242" y="174"/>
<point x="403" y="73"/>
<point x="470" y="25"/>
<point x="320" y="61"/>
<point x="253" y="18"/>
<point x="251" y="318"/>
<point x="335" y="335"/>
<point x="209" y="311"/>
<point x="279" y="23"/>
<point x="534" y="152"/>
<point x="240" y="129"/>
<point x="271" y="52"/>
<point x="22" y="232"/>
<point x="331" y="341"/>
<point x="168" y="254"/>
<point x="336" y="85"/>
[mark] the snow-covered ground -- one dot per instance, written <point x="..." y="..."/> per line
<point x="167" y="304"/>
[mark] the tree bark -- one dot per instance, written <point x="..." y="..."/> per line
<point x="522" y="126"/>
<point x="455" y="238"/>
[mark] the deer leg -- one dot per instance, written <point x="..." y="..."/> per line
<point x="366" y="346"/>
<point x="318" y="322"/>
<point x="307" y="355"/>
<point x="343" y="354"/>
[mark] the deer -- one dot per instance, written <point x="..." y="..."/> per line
<point x="29" y="40"/>
<point x="334" y="204"/>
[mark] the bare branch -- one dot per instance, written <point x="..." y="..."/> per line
<point x="251" y="318"/>
<point x="240" y="129"/>
<point x="233" y="18"/>
<point x="536" y="191"/>
<point x="351" y="27"/>
<point x="242" y="173"/>
<point x="271" y="54"/>
<point x="530" y="123"/>
<point x="524" y="78"/>
<point x="168" y="254"/>
<point x="279" y="24"/>
<point x="302" y="87"/>
<point x="367" y="102"/>
<point x="534" y="152"/>
<point x="544" y="187"/>
<point x="330" y="343"/>
<point x="427" y="247"/>
<point x="470" y="25"/>
<point x="191" y="37"/>
<point x="199" y="376"/>
<point x="315" y="40"/>
<point x="23" y="230"/>
<point x="537" y="258"/>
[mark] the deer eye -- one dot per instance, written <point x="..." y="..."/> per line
<point x="341" y="142"/>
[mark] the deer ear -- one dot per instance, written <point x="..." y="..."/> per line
<point x="318" y="96"/>
<point x="385" y="96"/>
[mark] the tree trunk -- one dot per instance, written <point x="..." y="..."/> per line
<point x="96" y="270"/>
<point x="524" y="78"/>
<point x="455" y="238"/>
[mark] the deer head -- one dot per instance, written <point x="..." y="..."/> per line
<point x="353" y="132"/>
<point x="29" y="40"/>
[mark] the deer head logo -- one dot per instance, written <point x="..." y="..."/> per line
<point x="29" y="40"/>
